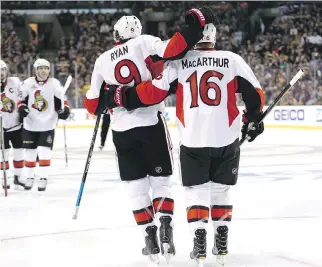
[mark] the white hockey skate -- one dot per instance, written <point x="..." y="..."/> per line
<point x="42" y="184"/>
<point x="29" y="183"/>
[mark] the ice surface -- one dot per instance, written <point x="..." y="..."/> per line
<point x="277" y="217"/>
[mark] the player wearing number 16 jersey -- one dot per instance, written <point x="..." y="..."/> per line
<point x="140" y="137"/>
<point x="205" y="82"/>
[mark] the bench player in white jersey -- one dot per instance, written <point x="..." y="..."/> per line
<point x="141" y="138"/>
<point x="12" y="127"/>
<point x="205" y="82"/>
<point x="40" y="108"/>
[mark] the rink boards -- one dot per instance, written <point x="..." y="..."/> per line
<point x="283" y="117"/>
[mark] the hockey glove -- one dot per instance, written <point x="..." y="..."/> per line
<point x="201" y="16"/>
<point x="115" y="96"/>
<point x="63" y="114"/>
<point x="251" y="127"/>
<point x="23" y="111"/>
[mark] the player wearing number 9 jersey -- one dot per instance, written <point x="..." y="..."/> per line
<point x="205" y="82"/>
<point x="141" y="139"/>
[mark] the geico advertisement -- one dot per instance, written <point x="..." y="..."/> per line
<point x="282" y="114"/>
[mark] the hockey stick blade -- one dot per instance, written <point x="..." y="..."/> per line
<point x="67" y="83"/>
<point x="294" y="80"/>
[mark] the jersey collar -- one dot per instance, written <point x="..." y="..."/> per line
<point x="41" y="82"/>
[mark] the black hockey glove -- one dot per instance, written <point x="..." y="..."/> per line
<point x="115" y="96"/>
<point x="23" y="111"/>
<point x="63" y="114"/>
<point x="201" y="16"/>
<point x="251" y="128"/>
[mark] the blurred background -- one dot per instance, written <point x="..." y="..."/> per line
<point x="274" y="38"/>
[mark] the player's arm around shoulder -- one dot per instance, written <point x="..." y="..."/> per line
<point x="146" y="93"/>
<point x="182" y="41"/>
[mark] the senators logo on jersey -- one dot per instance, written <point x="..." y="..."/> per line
<point x="40" y="102"/>
<point x="7" y="104"/>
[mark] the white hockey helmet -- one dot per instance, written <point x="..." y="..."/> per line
<point x="4" y="70"/>
<point x="127" y="27"/>
<point x="42" y="69"/>
<point x="209" y="34"/>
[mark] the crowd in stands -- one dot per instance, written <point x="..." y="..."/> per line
<point x="17" y="54"/>
<point x="278" y="50"/>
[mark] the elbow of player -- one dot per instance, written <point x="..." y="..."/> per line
<point x="91" y="105"/>
<point x="150" y="94"/>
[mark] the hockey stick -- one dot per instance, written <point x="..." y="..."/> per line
<point x="3" y="158"/>
<point x="297" y="76"/>
<point x="88" y="161"/>
<point x="67" y="84"/>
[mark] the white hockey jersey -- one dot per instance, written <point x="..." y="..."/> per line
<point x="128" y="64"/>
<point x="43" y="100"/>
<point x="207" y="81"/>
<point x="8" y="104"/>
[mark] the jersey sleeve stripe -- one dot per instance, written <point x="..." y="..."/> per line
<point x="176" y="46"/>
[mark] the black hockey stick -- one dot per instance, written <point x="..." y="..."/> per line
<point x="88" y="161"/>
<point x="297" y="76"/>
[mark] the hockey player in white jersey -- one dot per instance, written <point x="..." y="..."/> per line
<point x="12" y="127"/>
<point x="141" y="138"/>
<point x="40" y="108"/>
<point x="205" y="82"/>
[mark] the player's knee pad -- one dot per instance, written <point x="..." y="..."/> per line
<point x="221" y="204"/>
<point x="44" y="153"/>
<point x="161" y="186"/>
<point x="220" y="194"/>
<point x="197" y="195"/>
<point x="30" y="155"/>
<point x="138" y="191"/>
<point x="18" y="154"/>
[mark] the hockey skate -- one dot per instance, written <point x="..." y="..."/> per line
<point x="29" y="183"/>
<point x="18" y="183"/>
<point x="199" y="252"/>
<point x="152" y="248"/>
<point x="220" y="246"/>
<point x="166" y="238"/>
<point x="101" y="147"/>
<point x="42" y="184"/>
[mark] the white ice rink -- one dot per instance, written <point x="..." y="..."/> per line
<point x="277" y="217"/>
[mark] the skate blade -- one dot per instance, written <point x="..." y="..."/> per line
<point x="19" y="187"/>
<point x="154" y="258"/>
<point x="220" y="261"/>
<point x="167" y="255"/>
<point x="200" y="262"/>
